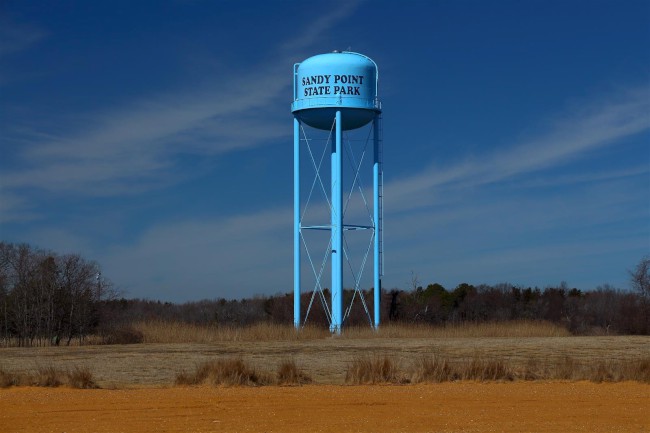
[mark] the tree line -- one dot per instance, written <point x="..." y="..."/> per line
<point x="47" y="298"/>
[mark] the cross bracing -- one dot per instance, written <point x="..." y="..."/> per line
<point x="317" y="259"/>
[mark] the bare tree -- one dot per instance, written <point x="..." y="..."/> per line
<point x="640" y="278"/>
<point x="81" y="294"/>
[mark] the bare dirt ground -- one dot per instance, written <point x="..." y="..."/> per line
<point x="447" y="407"/>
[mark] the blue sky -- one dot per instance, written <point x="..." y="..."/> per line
<point x="156" y="138"/>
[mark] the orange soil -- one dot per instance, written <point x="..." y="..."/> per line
<point x="448" y="407"/>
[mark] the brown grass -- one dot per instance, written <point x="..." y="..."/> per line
<point x="373" y="370"/>
<point x="431" y="369"/>
<point x="326" y="360"/>
<point x="236" y="372"/>
<point x="7" y="379"/>
<point x="511" y="329"/>
<point x="227" y="372"/>
<point x="47" y="376"/>
<point x="290" y="374"/>
<point x="122" y="335"/>
<point x="568" y="368"/>
<point x="437" y="369"/>
<point x="50" y="377"/>
<point x="484" y="370"/>
<point x="177" y="332"/>
<point x="81" y="378"/>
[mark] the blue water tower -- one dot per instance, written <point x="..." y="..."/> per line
<point x="337" y="92"/>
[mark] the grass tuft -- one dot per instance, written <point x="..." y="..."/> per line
<point x="7" y="379"/>
<point x="184" y="378"/>
<point x="637" y="370"/>
<point x="47" y="376"/>
<point x="532" y="370"/>
<point x="50" y="377"/>
<point x="227" y="372"/>
<point x="81" y="378"/>
<point x="485" y="370"/>
<point x="289" y="374"/>
<point x="373" y="370"/>
<point x="436" y="369"/>
<point x="566" y="368"/>
<point x="432" y="369"/>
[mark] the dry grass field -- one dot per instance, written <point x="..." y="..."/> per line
<point x="495" y="379"/>
<point x="323" y="357"/>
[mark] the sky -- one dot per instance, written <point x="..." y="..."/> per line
<point x="156" y="138"/>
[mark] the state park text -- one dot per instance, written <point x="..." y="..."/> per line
<point x="332" y="84"/>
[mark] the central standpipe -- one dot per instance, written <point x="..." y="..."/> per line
<point x="337" y="229"/>
<point x="337" y="92"/>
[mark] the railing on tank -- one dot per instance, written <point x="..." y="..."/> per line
<point x="351" y="102"/>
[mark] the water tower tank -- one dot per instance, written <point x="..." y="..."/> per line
<point x="337" y="81"/>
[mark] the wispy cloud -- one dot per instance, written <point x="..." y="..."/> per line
<point x="13" y="208"/>
<point x="16" y="37"/>
<point x="594" y="126"/>
<point x="319" y="26"/>
<point x="127" y="148"/>
<point x="209" y="257"/>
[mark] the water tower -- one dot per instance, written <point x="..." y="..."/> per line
<point x="337" y="92"/>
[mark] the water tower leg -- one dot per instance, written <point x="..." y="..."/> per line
<point x="337" y="231"/>
<point x="296" y="223"/>
<point x="376" y="172"/>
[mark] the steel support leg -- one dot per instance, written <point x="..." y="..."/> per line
<point x="376" y="172"/>
<point x="296" y="222"/>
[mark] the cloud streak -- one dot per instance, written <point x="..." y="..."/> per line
<point x="591" y="128"/>
<point x="211" y="257"/>
<point x="129" y="147"/>
<point x="15" y="37"/>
